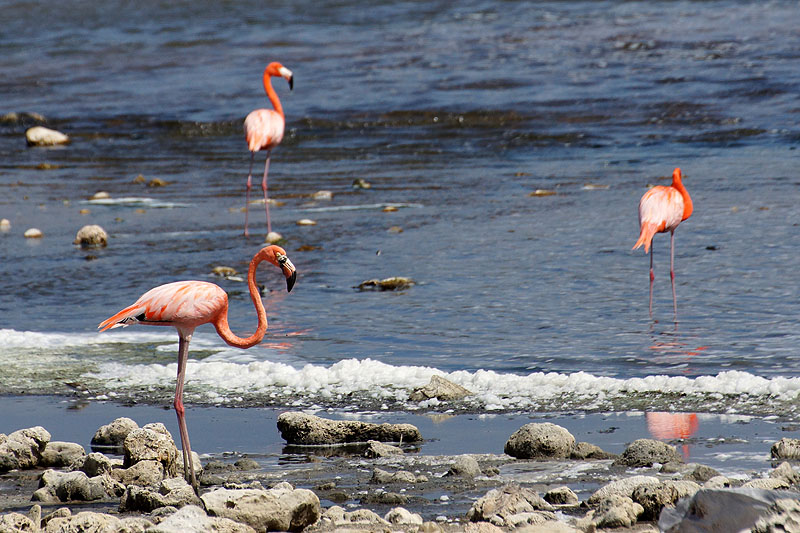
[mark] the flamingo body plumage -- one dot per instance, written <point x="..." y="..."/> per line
<point x="186" y="305"/>
<point x="662" y="209"/>
<point x="263" y="130"/>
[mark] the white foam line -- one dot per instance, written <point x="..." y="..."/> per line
<point x="135" y="201"/>
<point x="358" y="207"/>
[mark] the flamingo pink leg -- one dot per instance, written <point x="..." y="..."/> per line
<point x="652" y="278"/>
<point x="188" y="463"/>
<point x="264" y="188"/>
<point x="672" y="272"/>
<point x="247" y="193"/>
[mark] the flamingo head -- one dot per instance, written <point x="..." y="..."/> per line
<point x="277" y="256"/>
<point x="276" y="69"/>
<point x="676" y="175"/>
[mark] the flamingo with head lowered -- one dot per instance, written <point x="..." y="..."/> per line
<point x="662" y="209"/>
<point x="263" y="130"/>
<point x="188" y="304"/>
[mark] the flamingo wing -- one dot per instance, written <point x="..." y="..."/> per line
<point x="662" y="206"/>
<point x="182" y="303"/>
<point x="263" y="129"/>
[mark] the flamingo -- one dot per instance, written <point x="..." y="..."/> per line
<point x="662" y="209"/>
<point x="263" y="130"/>
<point x="188" y="304"/>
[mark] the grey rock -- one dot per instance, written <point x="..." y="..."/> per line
<point x="617" y="511"/>
<point x="721" y="510"/>
<point x="441" y="389"/>
<point x="499" y="504"/>
<point x="192" y="519"/>
<point x="561" y="496"/>
<point x="702" y="473"/>
<point x="282" y="508"/>
<point x="785" y="471"/>
<point x="769" y="483"/>
<point x="8" y="461"/>
<point x="90" y="522"/>
<point x="174" y="492"/>
<point x="24" y="445"/>
<point x="143" y="473"/>
<point x="151" y="443"/>
<point x="17" y="523"/>
<point x="402" y="516"/>
<point x="378" y="449"/>
<point x="341" y="519"/>
<point x="783" y="517"/>
<point x="91" y="235"/>
<point x="302" y="428"/>
<point x="653" y="498"/>
<point x="621" y="487"/>
<point x="465" y="466"/>
<point x="402" y="476"/>
<point x="113" y="435"/>
<point x="718" y="482"/>
<point x="96" y="464"/>
<point x="244" y="463"/>
<point x="645" y="452"/>
<point x="56" y="486"/>
<point x="383" y="497"/>
<point x="585" y="450"/>
<point x="540" y="441"/>
<point x="60" y="454"/>
<point x="786" y="448"/>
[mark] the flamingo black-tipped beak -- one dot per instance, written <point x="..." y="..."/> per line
<point x="287" y="74"/>
<point x="291" y="83"/>
<point x="288" y="270"/>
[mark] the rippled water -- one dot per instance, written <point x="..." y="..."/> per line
<point x="454" y="113"/>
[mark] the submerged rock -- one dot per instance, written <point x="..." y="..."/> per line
<point x="41" y="136"/>
<point x="306" y="222"/>
<point x="379" y="449"/>
<point x="56" y="486"/>
<point x="33" y="233"/>
<point x="5" y="225"/>
<point x="273" y="237"/>
<point x="395" y="283"/>
<point x="645" y="452"/>
<point x="91" y="235"/>
<point x="441" y="389"/>
<point x="302" y="428"/>
<point x="322" y="195"/>
<point x="540" y="441"/>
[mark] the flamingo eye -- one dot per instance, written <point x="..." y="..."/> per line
<point x="281" y="258"/>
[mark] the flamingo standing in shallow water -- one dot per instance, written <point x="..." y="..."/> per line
<point x="661" y="209"/>
<point x="263" y="130"/>
<point x="188" y="304"/>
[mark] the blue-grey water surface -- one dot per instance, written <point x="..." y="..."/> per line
<point x="455" y="112"/>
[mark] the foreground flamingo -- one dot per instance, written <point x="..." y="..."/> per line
<point x="188" y="304"/>
<point x="263" y="130"/>
<point x="661" y="209"/>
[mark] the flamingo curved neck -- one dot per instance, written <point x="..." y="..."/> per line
<point x="272" y="95"/>
<point x="221" y="323"/>
<point x="688" y="207"/>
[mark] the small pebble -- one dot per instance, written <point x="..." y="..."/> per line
<point x="156" y="182"/>
<point x="5" y="224"/>
<point x="84" y="211"/>
<point x="360" y="183"/>
<point x="47" y="166"/>
<point x="100" y="195"/>
<point x="306" y="222"/>
<point x="33" y="233"/>
<point x="139" y="179"/>
<point x="395" y="229"/>
<point x="273" y="237"/>
<point x="389" y="209"/>
<point x="322" y="195"/>
<point x="223" y="271"/>
<point x="40" y="136"/>
<point x="140" y="211"/>
<point x="542" y="192"/>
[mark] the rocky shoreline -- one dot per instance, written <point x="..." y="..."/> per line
<point x="365" y="477"/>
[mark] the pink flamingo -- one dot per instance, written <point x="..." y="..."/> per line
<point x="188" y="304"/>
<point x="662" y="209"/>
<point x="263" y="130"/>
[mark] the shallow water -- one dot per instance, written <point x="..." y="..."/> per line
<point x="455" y="114"/>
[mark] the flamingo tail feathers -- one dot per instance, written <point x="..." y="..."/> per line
<point x="646" y="236"/>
